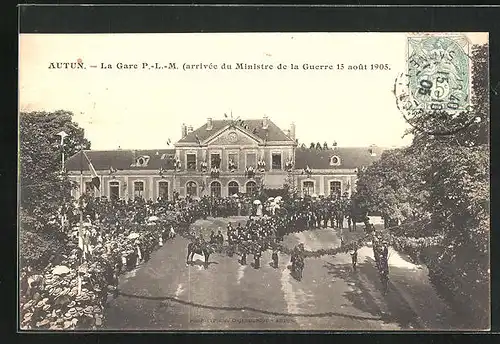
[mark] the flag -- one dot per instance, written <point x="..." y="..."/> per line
<point x="225" y="115"/>
<point x="95" y="178"/>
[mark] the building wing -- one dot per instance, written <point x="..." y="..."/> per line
<point x="337" y="158"/>
<point x="124" y="160"/>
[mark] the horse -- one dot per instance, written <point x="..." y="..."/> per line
<point x="193" y="248"/>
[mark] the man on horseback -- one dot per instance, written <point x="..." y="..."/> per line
<point x="297" y="252"/>
<point x="201" y="241"/>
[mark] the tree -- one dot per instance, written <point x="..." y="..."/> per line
<point x="391" y="186"/>
<point x="444" y="178"/>
<point x="42" y="186"/>
<point x="44" y="189"/>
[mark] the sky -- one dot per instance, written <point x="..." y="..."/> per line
<point x="144" y="108"/>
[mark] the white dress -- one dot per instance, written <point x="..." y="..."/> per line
<point x="259" y="210"/>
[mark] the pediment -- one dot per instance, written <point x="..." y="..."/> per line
<point x="232" y="136"/>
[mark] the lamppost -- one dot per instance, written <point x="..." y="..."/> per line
<point x="63" y="135"/>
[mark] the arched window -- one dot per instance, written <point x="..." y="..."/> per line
<point x="163" y="190"/>
<point x="215" y="189"/>
<point x="114" y="190"/>
<point x="139" y="188"/>
<point x="233" y="187"/>
<point x="251" y="187"/>
<point x="335" y="188"/>
<point x="308" y="187"/>
<point x="191" y="189"/>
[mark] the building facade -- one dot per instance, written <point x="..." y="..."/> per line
<point x="220" y="158"/>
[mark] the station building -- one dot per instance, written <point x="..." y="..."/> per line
<point x="220" y="158"/>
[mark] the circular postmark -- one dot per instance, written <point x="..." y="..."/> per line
<point x="434" y="93"/>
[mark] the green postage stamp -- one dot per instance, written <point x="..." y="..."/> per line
<point x="434" y="92"/>
<point x="438" y="72"/>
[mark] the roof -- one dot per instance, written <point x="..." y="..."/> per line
<point x="254" y="126"/>
<point x="350" y="157"/>
<point x="122" y="159"/>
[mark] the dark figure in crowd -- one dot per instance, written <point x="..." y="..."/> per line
<point x="220" y="238"/>
<point x="243" y="260"/>
<point x="384" y="273"/>
<point x="212" y="237"/>
<point x="376" y="253"/>
<point x="256" y="258"/>
<point x="275" y="258"/>
<point x="385" y="251"/>
<point x="354" y="257"/>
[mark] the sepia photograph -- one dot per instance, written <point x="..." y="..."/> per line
<point x="254" y="181"/>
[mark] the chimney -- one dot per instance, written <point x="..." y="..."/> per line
<point x="209" y="124"/>
<point x="190" y="129"/>
<point x="184" y="130"/>
<point x="265" y="122"/>
<point x="292" y="131"/>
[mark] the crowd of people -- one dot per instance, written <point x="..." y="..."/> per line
<point x="107" y="238"/>
<point x="110" y="237"/>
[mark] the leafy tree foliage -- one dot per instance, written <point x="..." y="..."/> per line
<point x="43" y="188"/>
<point x="443" y="179"/>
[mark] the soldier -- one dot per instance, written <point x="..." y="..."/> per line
<point x="275" y="256"/>
<point x="354" y="256"/>
<point x="385" y="250"/>
<point x="384" y="273"/>
<point x="243" y="260"/>
<point x="256" y="256"/>
<point x="220" y="238"/>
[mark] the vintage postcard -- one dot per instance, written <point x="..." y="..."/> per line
<point x="254" y="181"/>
